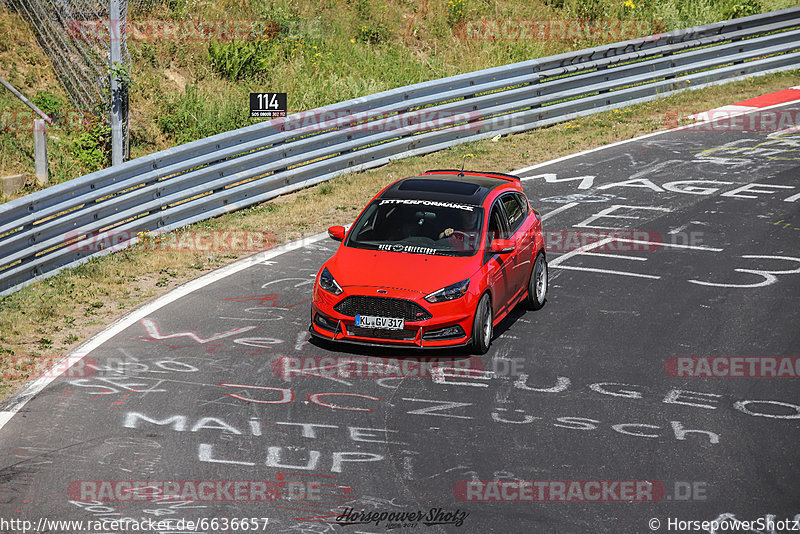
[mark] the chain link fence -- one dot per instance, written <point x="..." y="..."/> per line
<point x="77" y="35"/>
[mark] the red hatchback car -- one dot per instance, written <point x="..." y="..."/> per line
<point x="435" y="260"/>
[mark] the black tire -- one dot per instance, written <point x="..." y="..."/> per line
<point x="482" y="326"/>
<point x="537" y="283"/>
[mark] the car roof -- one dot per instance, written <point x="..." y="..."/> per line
<point x="464" y="187"/>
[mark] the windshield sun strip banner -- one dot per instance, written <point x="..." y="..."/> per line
<point x="410" y="248"/>
<point x="435" y="203"/>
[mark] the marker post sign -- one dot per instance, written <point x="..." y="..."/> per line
<point x="268" y="105"/>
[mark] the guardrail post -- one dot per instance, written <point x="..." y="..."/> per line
<point x="40" y="151"/>
<point x="115" y="60"/>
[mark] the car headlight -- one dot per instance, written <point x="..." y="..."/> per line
<point x="450" y="292"/>
<point x="327" y="282"/>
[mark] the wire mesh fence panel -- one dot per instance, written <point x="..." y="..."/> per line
<point x="76" y="35"/>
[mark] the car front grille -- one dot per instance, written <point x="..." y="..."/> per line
<point x="380" y="333"/>
<point x="382" y="307"/>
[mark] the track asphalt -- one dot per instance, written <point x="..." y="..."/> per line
<point x="705" y="262"/>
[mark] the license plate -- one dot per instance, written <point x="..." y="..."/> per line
<point x="385" y="323"/>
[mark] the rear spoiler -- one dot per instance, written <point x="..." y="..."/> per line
<point x="459" y="172"/>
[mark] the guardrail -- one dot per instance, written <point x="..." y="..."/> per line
<point x="47" y="231"/>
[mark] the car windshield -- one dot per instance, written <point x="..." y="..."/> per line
<point x="418" y="227"/>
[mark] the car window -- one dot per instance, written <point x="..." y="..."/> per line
<point x="514" y="211"/>
<point x="418" y="226"/>
<point x="523" y="200"/>
<point x="496" y="229"/>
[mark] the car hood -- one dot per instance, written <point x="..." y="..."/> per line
<point x="423" y="273"/>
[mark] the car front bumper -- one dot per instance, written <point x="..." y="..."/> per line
<point x="443" y="324"/>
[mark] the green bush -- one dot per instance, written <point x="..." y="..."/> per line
<point x="588" y="9"/>
<point x="456" y="11"/>
<point x="374" y="33"/>
<point x="48" y="102"/>
<point x="282" y="19"/>
<point x="363" y="9"/>
<point x="193" y="115"/>
<point x="742" y="8"/>
<point x="240" y="60"/>
<point x="93" y="146"/>
<point x="147" y="53"/>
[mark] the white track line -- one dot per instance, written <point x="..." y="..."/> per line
<point x="20" y="399"/>
<point x="607" y="271"/>
<point x="727" y="111"/>
<point x="614" y="256"/>
<point x="673" y="245"/>
<point x="558" y="210"/>
<point x="580" y="250"/>
<point x="645" y="136"/>
<point x="17" y="401"/>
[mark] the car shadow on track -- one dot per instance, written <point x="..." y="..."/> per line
<point x="509" y="320"/>
<point x="353" y="349"/>
<point x="450" y="354"/>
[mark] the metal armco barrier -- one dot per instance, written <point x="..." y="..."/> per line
<point x="46" y="231"/>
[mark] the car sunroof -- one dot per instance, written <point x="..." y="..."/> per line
<point x="452" y="187"/>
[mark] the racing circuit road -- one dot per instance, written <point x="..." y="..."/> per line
<point x="194" y="387"/>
